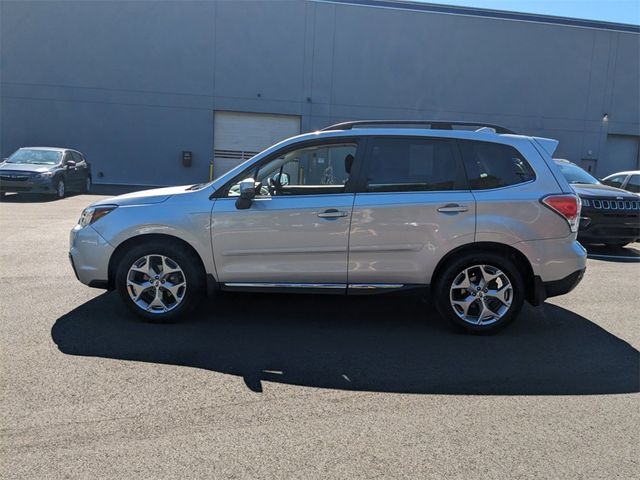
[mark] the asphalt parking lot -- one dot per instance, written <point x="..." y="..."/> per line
<point x="306" y="387"/>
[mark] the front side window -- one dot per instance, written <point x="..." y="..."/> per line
<point x="412" y="164"/>
<point x="615" y="181"/>
<point x="494" y="165"/>
<point x="634" y="184"/>
<point x="313" y="170"/>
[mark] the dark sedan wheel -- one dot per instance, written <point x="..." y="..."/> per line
<point x="60" y="188"/>
<point x="159" y="282"/>
<point x="87" y="185"/>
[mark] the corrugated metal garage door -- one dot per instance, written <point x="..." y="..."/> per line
<point x="239" y="136"/>
<point x="622" y="154"/>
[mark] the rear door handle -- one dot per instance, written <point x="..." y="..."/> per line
<point x="332" y="213"/>
<point x="453" y="208"/>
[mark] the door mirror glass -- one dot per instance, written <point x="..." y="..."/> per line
<point x="247" y="193"/>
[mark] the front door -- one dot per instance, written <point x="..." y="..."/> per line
<point x="296" y="231"/>
<point x="71" y="172"/>
<point x="415" y="207"/>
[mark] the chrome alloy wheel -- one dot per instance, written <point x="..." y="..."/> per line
<point x="156" y="283"/>
<point x="481" y="294"/>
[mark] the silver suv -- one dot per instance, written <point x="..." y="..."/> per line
<point x="483" y="217"/>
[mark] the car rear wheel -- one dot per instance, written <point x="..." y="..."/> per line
<point x="159" y="282"/>
<point x="60" y="188"/>
<point x="480" y="292"/>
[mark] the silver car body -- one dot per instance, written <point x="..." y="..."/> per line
<point x="376" y="240"/>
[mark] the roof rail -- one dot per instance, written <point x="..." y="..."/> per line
<point x="432" y="124"/>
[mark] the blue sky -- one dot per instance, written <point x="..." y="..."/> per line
<point x="622" y="11"/>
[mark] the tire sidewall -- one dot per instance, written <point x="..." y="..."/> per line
<point x="185" y="261"/>
<point x="64" y="185"/>
<point x="445" y="280"/>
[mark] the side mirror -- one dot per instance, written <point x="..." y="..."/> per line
<point x="247" y="193"/>
<point x="71" y="164"/>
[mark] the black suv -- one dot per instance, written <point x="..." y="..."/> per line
<point x="609" y="215"/>
<point x="45" y="170"/>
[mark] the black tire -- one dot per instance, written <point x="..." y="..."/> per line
<point x="185" y="259"/>
<point x="452" y="272"/>
<point x="2" y="195"/>
<point x="60" y="192"/>
<point x="86" y="188"/>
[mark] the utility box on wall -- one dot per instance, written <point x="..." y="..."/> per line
<point x="187" y="157"/>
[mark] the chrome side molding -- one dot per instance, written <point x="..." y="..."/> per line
<point x="285" y="285"/>
<point x="374" y="286"/>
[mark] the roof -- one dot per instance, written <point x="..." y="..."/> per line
<point x="626" y="172"/>
<point x="488" y="13"/>
<point x="58" y="149"/>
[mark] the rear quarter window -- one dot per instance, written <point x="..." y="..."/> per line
<point x="494" y="165"/>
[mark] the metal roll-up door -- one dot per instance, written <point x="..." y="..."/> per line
<point x="238" y="136"/>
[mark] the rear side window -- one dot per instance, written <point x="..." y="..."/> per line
<point x="411" y="164"/>
<point x="494" y="165"/>
<point x="616" y="181"/>
<point x="634" y="184"/>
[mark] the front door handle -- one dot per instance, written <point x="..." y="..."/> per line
<point x="453" y="208"/>
<point x="332" y="213"/>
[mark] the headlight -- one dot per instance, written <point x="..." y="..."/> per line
<point x="43" y="175"/>
<point x="92" y="214"/>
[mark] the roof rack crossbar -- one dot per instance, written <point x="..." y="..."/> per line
<point x="433" y="124"/>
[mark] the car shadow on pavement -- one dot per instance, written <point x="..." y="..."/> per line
<point x="29" y="198"/>
<point x="364" y="343"/>
<point x="628" y="253"/>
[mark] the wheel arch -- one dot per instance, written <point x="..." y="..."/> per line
<point x="136" y="240"/>
<point x="521" y="261"/>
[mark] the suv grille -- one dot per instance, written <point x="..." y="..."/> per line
<point x="609" y="204"/>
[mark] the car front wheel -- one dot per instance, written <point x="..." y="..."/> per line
<point x="60" y="188"/>
<point x="159" y="282"/>
<point x="480" y="292"/>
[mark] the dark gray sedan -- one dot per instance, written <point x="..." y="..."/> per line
<point x="47" y="170"/>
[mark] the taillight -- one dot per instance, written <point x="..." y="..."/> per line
<point x="567" y="206"/>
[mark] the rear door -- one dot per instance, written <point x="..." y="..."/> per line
<point x="414" y="206"/>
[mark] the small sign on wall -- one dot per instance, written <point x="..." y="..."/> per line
<point x="186" y="158"/>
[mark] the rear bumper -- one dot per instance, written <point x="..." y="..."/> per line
<point x="544" y="290"/>
<point x="564" y="285"/>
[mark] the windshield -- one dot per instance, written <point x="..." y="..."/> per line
<point x="574" y="174"/>
<point x="40" y="157"/>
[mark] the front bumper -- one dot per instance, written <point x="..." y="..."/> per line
<point x="611" y="226"/>
<point x="26" y="186"/>
<point x="89" y="254"/>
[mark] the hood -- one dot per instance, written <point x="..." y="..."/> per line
<point x="25" y="167"/>
<point x="600" y="190"/>
<point x="145" y="197"/>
